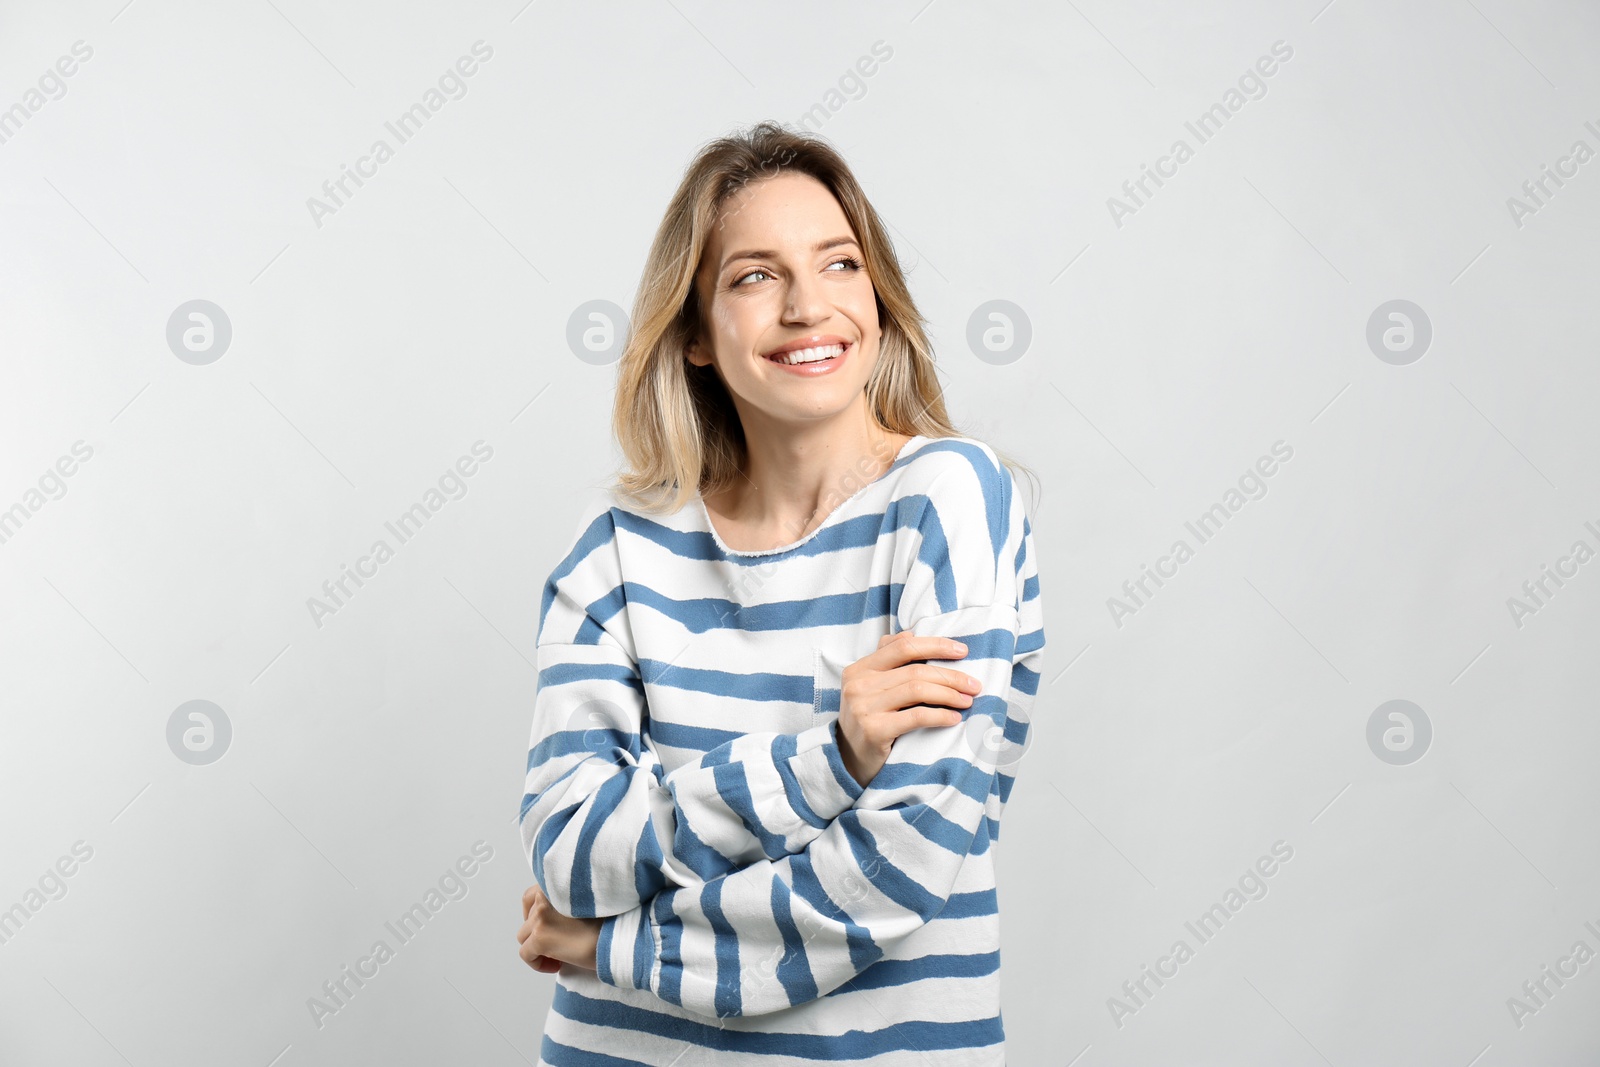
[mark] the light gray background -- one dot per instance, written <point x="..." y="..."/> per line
<point x="1168" y="353"/>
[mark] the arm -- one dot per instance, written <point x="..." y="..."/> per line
<point x="781" y="932"/>
<point x="603" y="827"/>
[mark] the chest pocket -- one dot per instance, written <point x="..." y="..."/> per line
<point x="827" y="675"/>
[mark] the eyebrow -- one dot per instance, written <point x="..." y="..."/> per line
<point x="764" y="253"/>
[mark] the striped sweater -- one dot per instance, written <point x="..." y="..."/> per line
<point x="684" y="781"/>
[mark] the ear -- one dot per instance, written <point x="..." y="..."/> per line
<point x="695" y="352"/>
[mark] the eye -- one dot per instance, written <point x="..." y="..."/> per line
<point x="851" y="262"/>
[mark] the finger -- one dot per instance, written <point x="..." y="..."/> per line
<point x="960" y="681"/>
<point x="528" y="896"/>
<point x="912" y="648"/>
<point x="541" y="962"/>
<point x="917" y="718"/>
<point x="881" y="731"/>
<point x="905" y="695"/>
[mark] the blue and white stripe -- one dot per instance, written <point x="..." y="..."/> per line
<point x="684" y="783"/>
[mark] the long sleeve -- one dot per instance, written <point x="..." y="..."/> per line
<point x="603" y="828"/>
<point x="783" y="931"/>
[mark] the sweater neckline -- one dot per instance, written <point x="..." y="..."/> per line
<point x="832" y="516"/>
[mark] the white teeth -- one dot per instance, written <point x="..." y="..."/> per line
<point x="809" y="355"/>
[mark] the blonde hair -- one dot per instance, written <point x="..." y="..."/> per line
<point x="675" y="422"/>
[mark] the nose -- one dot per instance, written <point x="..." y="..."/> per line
<point x="803" y="300"/>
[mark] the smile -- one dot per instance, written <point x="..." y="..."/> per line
<point x="820" y="354"/>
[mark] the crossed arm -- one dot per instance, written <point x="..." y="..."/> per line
<point x="604" y="828"/>
<point x="762" y="875"/>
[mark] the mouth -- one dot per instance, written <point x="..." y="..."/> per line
<point x="807" y="357"/>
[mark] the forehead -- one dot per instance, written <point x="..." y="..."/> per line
<point x="786" y="212"/>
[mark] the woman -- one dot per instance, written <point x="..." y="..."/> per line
<point x="759" y="820"/>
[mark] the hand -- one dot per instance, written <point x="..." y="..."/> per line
<point x="879" y="699"/>
<point x="549" y="938"/>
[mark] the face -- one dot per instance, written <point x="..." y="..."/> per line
<point x="783" y="270"/>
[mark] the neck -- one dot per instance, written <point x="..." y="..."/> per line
<point x="795" y="477"/>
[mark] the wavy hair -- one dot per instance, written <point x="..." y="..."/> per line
<point x="675" y="422"/>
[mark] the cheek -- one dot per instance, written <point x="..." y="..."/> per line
<point x="723" y="319"/>
<point x="861" y="303"/>
<point x="737" y="324"/>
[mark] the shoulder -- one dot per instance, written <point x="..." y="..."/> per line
<point x="956" y="466"/>
<point x="962" y="485"/>
<point x="587" y="572"/>
<point x="595" y="526"/>
<point x="965" y="522"/>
